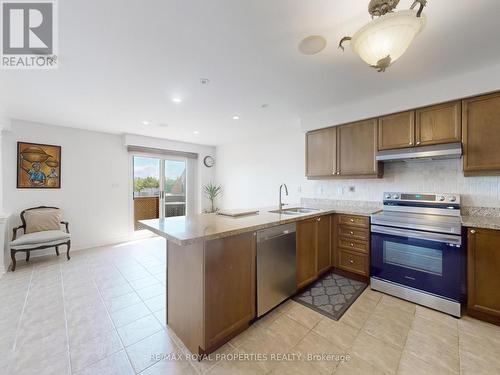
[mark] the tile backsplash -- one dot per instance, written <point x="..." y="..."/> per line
<point x="440" y="176"/>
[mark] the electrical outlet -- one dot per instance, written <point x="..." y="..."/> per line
<point x="352" y="189"/>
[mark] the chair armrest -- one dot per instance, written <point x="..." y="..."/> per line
<point x="14" y="231"/>
<point x="66" y="224"/>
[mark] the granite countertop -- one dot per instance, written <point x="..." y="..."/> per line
<point x="486" y="222"/>
<point x="185" y="230"/>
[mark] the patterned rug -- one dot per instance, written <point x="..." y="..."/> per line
<point x="331" y="295"/>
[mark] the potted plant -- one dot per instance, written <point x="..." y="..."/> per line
<point x="211" y="192"/>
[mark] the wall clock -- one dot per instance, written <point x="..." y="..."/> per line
<point x="208" y="161"/>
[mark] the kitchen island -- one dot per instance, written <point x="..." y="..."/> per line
<point x="211" y="271"/>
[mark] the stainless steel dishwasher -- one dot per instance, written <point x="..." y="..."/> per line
<point x="276" y="267"/>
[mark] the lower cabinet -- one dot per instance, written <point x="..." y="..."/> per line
<point x="483" y="274"/>
<point x="351" y="248"/>
<point x="229" y="297"/>
<point x="313" y="249"/>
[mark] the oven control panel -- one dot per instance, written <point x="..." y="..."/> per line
<point x="422" y="197"/>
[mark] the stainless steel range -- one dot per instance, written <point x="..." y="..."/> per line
<point x="418" y="252"/>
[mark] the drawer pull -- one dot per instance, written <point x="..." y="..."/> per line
<point x="351" y="261"/>
<point x="318" y="219"/>
<point x="352" y="245"/>
<point x="351" y="220"/>
<point x="472" y="231"/>
<point x="352" y="233"/>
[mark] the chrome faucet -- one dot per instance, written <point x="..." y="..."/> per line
<point x="286" y="192"/>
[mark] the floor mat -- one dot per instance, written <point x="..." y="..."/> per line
<point x="331" y="295"/>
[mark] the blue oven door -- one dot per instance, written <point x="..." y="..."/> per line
<point x="430" y="262"/>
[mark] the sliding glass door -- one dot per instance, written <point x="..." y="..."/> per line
<point x="159" y="188"/>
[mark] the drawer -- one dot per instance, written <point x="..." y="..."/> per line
<point x="353" y="233"/>
<point x="361" y="246"/>
<point x="353" y="262"/>
<point x="353" y="220"/>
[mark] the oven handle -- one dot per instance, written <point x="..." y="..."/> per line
<point x="436" y="237"/>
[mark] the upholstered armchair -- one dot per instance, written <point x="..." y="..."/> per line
<point x="42" y="229"/>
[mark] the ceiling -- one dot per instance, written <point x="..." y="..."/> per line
<point x="121" y="63"/>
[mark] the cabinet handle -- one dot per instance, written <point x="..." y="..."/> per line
<point x="410" y="143"/>
<point x="352" y="245"/>
<point x="472" y="231"/>
<point x="418" y="143"/>
<point x="318" y="219"/>
<point x="351" y="261"/>
<point x="352" y="233"/>
<point x="338" y="172"/>
<point x="351" y="220"/>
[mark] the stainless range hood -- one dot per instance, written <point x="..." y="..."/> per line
<point x="434" y="152"/>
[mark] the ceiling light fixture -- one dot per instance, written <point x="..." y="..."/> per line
<point x="386" y="38"/>
<point x="204" y="81"/>
<point x="176" y="99"/>
<point x="145" y="122"/>
<point x="236" y="117"/>
<point x="196" y="132"/>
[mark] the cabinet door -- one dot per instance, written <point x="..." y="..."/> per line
<point x="321" y="156"/>
<point x="439" y="124"/>
<point x="357" y="146"/>
<point x="324" y="243"/>
<point x="396" y="131"/>
<point x="481" y="135"/>
<point x="483" y="276"/>
<point x="306" y="252"/>
<point x="229" y="287"/>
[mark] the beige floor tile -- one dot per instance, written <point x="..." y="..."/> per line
<point x="157" y="303"/>
<point x="161" y="316"/>
<point x="438" y="329"/>
<point x="480" y="329"/>
<point x="386" y="329"/>
<point x="129" y="314"/>
<point x="338" y="333"/>
<point x="321" y="353"/>
<point x="434" y="351"/>
<point x="165" y="367"/>
<point x="412" y="365"/>
<point x="115" y="364"/>
<point x="212" y="359"/>
<point x="146" y="352"/>
<point x="121" y="302"/>
<point x="238" y="368"/>
<point x="287" y="331"/>
<point x="139" y="329"/>
<point x="296" y="368"/>
<point x="393" y="302"/>
<point x="151" y="291"/>
<point x="304" y="315"/>
<point x="88" y="352"/>
<point x="358" y="366"/>
<point x="357" y="315"/>
<point x="479" y="363"/>
<point x="371" y="294"/>
<point x="35" y="363"/>
<point x="436" y="316"/>
<point x="376" y="352"/>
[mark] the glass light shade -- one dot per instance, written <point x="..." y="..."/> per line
<point x="388" y="35"/>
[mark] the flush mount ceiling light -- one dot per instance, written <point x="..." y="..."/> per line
<point x="236" y="117"/>
<point x="196" y="132"/>
<point x="176" y="99"/>
<point x="386" y="38"/>
<point x="312" y="45"/>
<point x="145" y="122"/>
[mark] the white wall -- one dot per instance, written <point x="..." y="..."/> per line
<point x="96" y="186"/>
<point x="251" y="172"/>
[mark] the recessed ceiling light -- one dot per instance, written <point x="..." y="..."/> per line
<point x="204" y="81"/>
<point x="145" y="122"/>
<point x="264" y="106"/>
<point x="176" y="99"/>
<point x="312" y="45"/>
<point x="236" y="117"/>
<point x="196" y="132"/>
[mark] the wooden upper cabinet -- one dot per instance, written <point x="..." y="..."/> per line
<point x="439" y="124"/>
<point x="306" y="252"/>
<point x="483" y="276"/>
<point x="324" y="243"/>
<point x="396" y="131"/>
<point x="229" y="287"/>
<point x="357" y="146"/>
<point x="321" y="155"/>
<point x="481" y="135"/>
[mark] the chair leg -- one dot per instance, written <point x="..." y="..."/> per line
<point x="69" y="247"/>
<point x="13" y="257"/>
<point x="57" y="250"/>
<point x="27" y="256"/>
